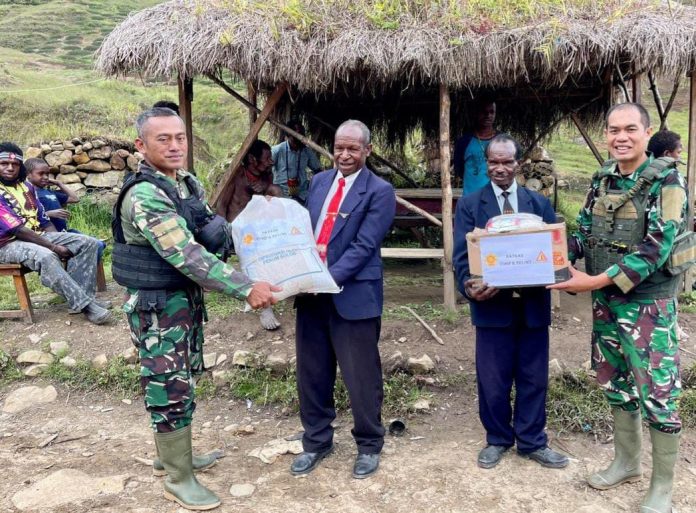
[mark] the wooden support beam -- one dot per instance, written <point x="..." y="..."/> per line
<point x="622" y="84"/>
<point x="446" y="185"/>
<point x="668" y="107"/>
<point x="586" y="136"/>
<point x="417" y="210"/>
<point x="185" y="98"/>
<point x="251" y="94"/>
<point x="271" y="103"/>
<point x="657" y="98"/>
<point x="307" y="142"/>
<point x="273" y="121"/>
<point x="691" y="168"/>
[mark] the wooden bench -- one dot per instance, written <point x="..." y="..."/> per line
<point x="437" y="253"/>
<point x="26" y="311"/>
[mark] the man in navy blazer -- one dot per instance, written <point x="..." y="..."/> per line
<point x="512" y="325"/>
<point x="352" y="210"/>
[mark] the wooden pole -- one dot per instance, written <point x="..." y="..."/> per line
<point x="251" y="93"/>
<point x="586" y="136"/>
<point x="691" y="168"/>
<point x="637" y="87"/>
<point x="185" y="98"/>
<point x="271" y="103"/>
<point x="446" y="184"/>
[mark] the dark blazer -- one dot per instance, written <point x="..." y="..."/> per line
<point x="473" y="211"/>
<point x="353" y="253"/>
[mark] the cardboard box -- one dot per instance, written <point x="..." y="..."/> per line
<point x="523" y="258"/>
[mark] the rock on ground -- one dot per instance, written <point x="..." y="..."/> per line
<point x="421" y="365"/>
<point x="242" y="490"/>
<point x="66" y="486"/>
<point x="34" y="356"/>
<point x="26" y="397"/>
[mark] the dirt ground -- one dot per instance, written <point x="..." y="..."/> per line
<point x="432" y="468"/>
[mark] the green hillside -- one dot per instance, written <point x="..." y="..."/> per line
<point x="69" y="30"/>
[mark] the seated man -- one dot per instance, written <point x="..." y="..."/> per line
<point x="29" y="238"/>
<point x="291" y="159"/>
<point x="254" y="176"/>
<point x="54" y="201"/>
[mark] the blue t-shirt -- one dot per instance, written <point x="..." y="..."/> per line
<point x="53" y="200"/>
<point x="475" y="165"/>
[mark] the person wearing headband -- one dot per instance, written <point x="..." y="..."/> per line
<point x="28" y="237"/>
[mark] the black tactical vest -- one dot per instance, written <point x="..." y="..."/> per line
<point x="142" y="267"/>
<point x="619" y="225"/>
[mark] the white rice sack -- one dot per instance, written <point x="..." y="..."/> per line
<point x="275" y="243"/>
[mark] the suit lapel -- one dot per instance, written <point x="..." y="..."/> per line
<point x="352" y="200"/>
<point x="524" y="201"/>
<point x="489" y="203"/>
<point x="320" y="197"/>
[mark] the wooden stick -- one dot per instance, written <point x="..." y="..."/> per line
<point x="446" y="185"/>
<point x="425" y="325"/>
<point x="668" y="107"/>
<point x="70" y="439"/>
<point x="48" y="441"/>
<point x="690" y="353"/>
<point x="250" y="138"/>
<point x="144" y="461"/>
<point x="586" y="136"/>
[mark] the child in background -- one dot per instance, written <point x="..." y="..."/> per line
<point x="53" y="201"/>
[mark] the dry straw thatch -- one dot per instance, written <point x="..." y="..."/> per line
<point x="382" y="61"/>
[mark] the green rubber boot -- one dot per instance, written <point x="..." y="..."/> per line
<point x="181" y="486"/>
<point x="625" y="468"/>
<point x="200" y="463"/>
<point x="664" y="450"/>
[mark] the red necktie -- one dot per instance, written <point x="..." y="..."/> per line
<point x="329" y="220"/>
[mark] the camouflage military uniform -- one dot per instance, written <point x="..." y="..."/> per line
<point x="634" y="342"/>
<point x="170" y="336"/>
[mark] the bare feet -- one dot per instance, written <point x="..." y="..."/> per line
<point x="268" y="319"/>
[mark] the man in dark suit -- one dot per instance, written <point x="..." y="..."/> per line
<point x="351" y="209"/>
<point x="512" y="325"/>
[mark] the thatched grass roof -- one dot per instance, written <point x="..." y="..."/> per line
<point x="383" y="61"/>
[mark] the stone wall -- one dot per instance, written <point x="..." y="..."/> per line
<point x="88" y="164"/>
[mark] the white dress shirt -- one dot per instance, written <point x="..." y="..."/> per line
<point x="512" y="198"/>
<point x="350" y="179"/>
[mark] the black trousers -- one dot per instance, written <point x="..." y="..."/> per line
<point x="323" y="339"/>
<point x="516" y="354"/>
